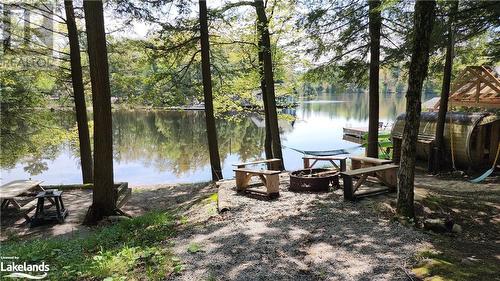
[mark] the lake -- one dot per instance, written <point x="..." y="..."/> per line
<point x="171" y="147"/>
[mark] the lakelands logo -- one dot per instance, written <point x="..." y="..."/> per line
<point x="23" y="270"/>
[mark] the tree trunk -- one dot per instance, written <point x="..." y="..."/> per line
<point x="213" y="148"/>
<point x="375" y="24"/>
<point x="79" y="94"/>
<point x="27" y="33"/>
<point x="7" y="22"/>
<point x="445" y="91"/>
<point x="104" y="197"/>
<point x="268" y="149"/>
<point x="262" y="25"/>
<point x="423" y="21"/>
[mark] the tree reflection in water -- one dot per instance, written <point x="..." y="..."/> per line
<point x="175" y="141"/>
<point x="170" y="146"/>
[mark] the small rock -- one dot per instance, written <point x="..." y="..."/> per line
<point x="436" y="225"/>
<point x="456" y="228"/>
<point x="114" y="219"/>
<point x="469" y="260"/>
<point x="427" y="210"/>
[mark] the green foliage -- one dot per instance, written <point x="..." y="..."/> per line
<point x="130" y="249"/>
<point x="435" y="265"/>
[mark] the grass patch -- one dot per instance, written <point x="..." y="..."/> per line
<point x="133" y="249"/>
<point x="435" y="265"/>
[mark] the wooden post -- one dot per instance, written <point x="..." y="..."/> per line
<point x="241" y="180"/>
<point x="273" y="185"/>
<point x="396" y="150"/>
<point x="355" y="164"/>
<point x="348" y="194"/>
<point x="343" y="165"/>
<point x="306" y="163"/>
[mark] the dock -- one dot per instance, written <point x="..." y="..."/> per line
<point x="360" y="134"/>
<point x="355" y="135"/>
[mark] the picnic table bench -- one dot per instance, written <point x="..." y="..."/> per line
<point x="386" y="173"/>
<point x="14" y="191"/>
<point x="331" y="159"/>
<point x="270" y="178"/>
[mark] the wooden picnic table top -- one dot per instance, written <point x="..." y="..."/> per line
<point x="258" y="162"/>
<point x="16" y="188"/>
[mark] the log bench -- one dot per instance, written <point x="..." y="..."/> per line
<point x="386" y="173"/>
<point x="270" y="178"/>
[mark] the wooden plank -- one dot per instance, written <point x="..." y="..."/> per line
<point x="257" y="162"/>
<point x="370" y="169"/>
<point x="127" y="193"/>
<point x="18" y="187"/>
<point x="360" y="182"/>
<point x="371" y="160"/>
<point x="257" y="172"/>
<point x="372" y="191"/>
<point x="357" y="132"/>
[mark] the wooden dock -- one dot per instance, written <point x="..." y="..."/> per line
<point x="360" y="134"/>
<point x="355" y="135"/>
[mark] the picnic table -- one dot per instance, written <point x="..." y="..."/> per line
<point x="12" y="192"/>
<point x="341" y="159"/>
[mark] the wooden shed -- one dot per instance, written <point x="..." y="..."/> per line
<point x="473" y="136"/>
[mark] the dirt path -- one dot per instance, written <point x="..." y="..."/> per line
<point x="300" y="236"/>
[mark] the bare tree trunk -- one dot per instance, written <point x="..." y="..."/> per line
<point x="79" y="94"/>
<point x="213" y="147"/>
<point x="268" y="149"/>
<point x="375" y="24"/>
<point x="445" y="91"/>
<point x="104" y="197"/>
<point x="423" y="21"/>
<point x="27" y="33"/>
<point x="262" y="23"/>
<point x="7" y="22"/>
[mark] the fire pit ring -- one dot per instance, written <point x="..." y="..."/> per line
<point x="308" y="180"/>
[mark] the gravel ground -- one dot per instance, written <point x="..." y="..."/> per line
<point x="299" y="236"/>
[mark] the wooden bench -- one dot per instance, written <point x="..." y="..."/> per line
<point x="270" y="178"/>
<point x="358" y="162"/>
<point x="386" y="173"/>
<point x="331" y="159"/>
<point x="272" y="163"/>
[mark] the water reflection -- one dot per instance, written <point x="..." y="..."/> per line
<point x="171" y="146"/>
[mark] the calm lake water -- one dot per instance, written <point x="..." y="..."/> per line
<point x="170" y="146"/>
